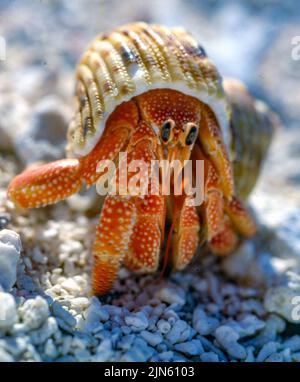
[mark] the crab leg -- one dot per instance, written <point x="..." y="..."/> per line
<point x="221" y="237"/>
<point x="213" y="206"/>
<point x="112" y="238"/>
<point x="240" y="217"/>
<point x="224" y="242"/>
<point x="212" y="142"/>
<point x="220" y="234"/>
<point x="146" y="239"/>
<point x="118" y="129"/>
<point x="224" y="212"/>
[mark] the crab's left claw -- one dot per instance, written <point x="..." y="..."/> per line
<point x="46" y="184"/>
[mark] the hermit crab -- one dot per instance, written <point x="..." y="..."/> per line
<point x="153" y="93"/>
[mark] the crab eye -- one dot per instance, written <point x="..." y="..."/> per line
<point x="192" y="136"/>
<point x="166" y="130"/>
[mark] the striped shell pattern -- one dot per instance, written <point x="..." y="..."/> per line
<point x="132" y="60"/>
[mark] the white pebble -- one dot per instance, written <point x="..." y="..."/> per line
<point x="292" y="343"/>
<point x="8" y="311"/>
<point x="71" y="286"/>
<point x="209" y="357"/>
<point x="171" y="295"/>
<point x="296" y="357"/>
<point x="104" y="351"/>
<point x="163" y="326"/>
<point x="126" y="342"/>
<point x="275" y="357"/>
<point x="66" y="345"/>
<point x="11" y="238"/>
<point x="71" y="247"/>
<point x="34" y="312"/>
<point x="5" y="357"/>
<point x="50" y="233"/>
<point x="250" y="354"/>
<point x="63" y="314"/>
<point x="202" y="324"/>
<point x="137" y="321"/>
<point x="50" y="349"/>
<point x="153" y="339"/>
<point x="227" y="338"/>
<point x="179" y="332"/>
<point x="95" y="312"/>
<point x="38" y="257"/>
<point x="140" y="352"/>
<point x="82" y="355"/>
<point x="80" y="303"/>
<point x="10" y="249"/>
<point x="280" y="299"/>
<point x="166" y="356"/>
<point x="48" y="329"/>
<point x="247" y="326"/>
<point x="267" y="350"/>
<point x="191" y="348"/>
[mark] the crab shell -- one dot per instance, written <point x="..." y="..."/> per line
<point x="132" y="60"/>
<point x="252" y="125"/>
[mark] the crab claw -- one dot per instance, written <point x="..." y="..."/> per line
<point x="46" y="184"/>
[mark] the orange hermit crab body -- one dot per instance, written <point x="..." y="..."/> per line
<point x="152" y="92"/>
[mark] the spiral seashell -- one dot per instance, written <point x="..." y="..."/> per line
<point x="252" y="125"/>
<point x="134" y="59"/>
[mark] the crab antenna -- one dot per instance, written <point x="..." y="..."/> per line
<point x="167" y="251"/>
<point x="178" y="205"/>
